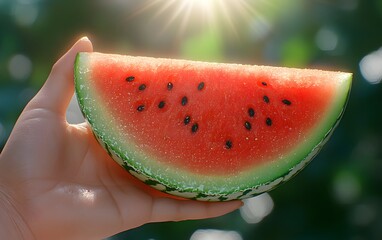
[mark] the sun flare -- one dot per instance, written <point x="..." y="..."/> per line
<point x="227" y="14"/>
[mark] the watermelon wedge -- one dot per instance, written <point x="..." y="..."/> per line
<point x="208" y="131"/>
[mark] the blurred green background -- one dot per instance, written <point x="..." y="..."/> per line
<point x="338" y="196"/>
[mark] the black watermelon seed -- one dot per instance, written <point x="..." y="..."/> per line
<point x="184" y="101"/>
<point x="268" y="121"/>
<point x="287" y="102"/>
<point x="247" y="125"/>
<point x="140" y="108"/>
<point x="194" y="128"/>
<point x="266" y="99"/>
<point x="228" y="144"/>
<point x="130" y="78"/>
<point x="201" y="86"/>
<point x="251" y="112"/>
<point x="161" y="104"/>
<point x="169" y="86"/>
<point x="142" y="87"/>
<point x="264" y="83"/>
<point x="187" y="120"/>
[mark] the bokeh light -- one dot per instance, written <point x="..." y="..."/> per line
<point x="346" y="187"/>
<point x="349" y="5"/>
<point x="363" y="214"/>
<point x="257" y="208"/>
<point x="20" y="67"/>
<point x="25" y="12"/>
<point x="371" y="67"/>
<point x="327" y="39"/>
<point x="212" y="234"/>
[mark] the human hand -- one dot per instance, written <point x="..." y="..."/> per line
<point x="56" y="182"/>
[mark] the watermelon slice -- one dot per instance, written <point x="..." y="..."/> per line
<point x="208" y="131"/>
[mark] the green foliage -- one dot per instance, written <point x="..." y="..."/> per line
<point x="297" y="52"/>
<point x="206" y="46"/>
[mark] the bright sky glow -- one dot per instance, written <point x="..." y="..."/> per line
<point x="200" y="3"/>
<point x="228" y="13"/>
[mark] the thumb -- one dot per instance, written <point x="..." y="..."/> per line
<point x="58" y="89"/>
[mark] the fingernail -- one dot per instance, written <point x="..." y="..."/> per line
<point x="85" y="38"/>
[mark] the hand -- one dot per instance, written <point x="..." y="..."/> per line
<point x="56" y="182"/>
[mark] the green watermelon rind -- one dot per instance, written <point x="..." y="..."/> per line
<point x="196" y="186"/>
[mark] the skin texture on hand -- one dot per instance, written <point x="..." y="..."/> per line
<point x="56" y="182"/>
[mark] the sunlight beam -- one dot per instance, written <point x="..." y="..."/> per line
<point x="227" y="15"/>
<point x="175" y="15"/>
<point x="165" y="7"/>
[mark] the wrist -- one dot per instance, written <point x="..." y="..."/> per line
<point x="12" y="224"/>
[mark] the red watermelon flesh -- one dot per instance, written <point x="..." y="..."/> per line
<point x="206" y="129"/>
